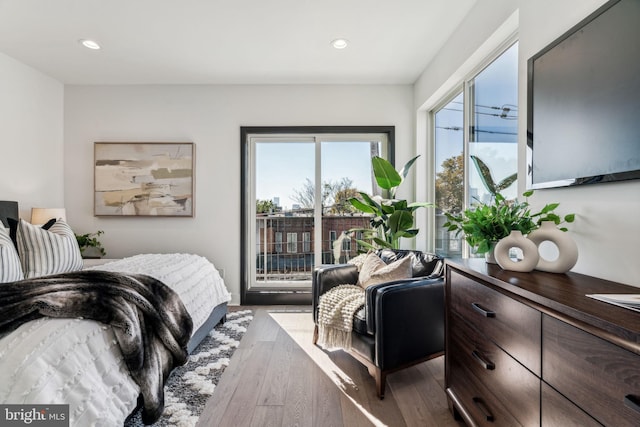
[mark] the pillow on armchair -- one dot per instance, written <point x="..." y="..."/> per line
<point x="375" y="271"/>
<point x="422" y="263"/>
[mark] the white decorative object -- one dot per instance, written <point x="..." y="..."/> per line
<point x="567" y="248"/>
<point x="529" y="250"/>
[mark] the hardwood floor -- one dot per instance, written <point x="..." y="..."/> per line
<point x="277" y="377"/>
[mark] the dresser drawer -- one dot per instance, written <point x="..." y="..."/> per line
<point x="513" y="326"/>
<point x="559" y="411"/>
<point x="475" y="400"/>
<point x="502" y="375"/>
<point x="593" y="373"/>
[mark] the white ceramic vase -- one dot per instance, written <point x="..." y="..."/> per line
<point x="529" y="250"/>
<point x="489" y="257"/>
<point x="567" y="248"/>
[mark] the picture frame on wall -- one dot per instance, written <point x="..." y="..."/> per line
<point x="144" y="179"/>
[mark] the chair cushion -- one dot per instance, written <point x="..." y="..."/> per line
<point x="375" y="271"/>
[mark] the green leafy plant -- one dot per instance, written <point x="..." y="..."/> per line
<point x="392" y="219"/>
<point x="90" y="240"/>
<point x="483" y="225"/>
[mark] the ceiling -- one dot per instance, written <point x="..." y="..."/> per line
<point x="228" y="41"/>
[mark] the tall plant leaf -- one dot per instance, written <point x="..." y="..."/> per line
<point x="399" y="221"/>
<point x="386" y="175"/>
<point x="485" y="174"/>
<point x="405" y="169"/>
<point x="506" y="183"/>
<point x="356" y="203"/>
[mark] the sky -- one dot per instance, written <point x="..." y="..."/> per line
<point x="282" y="167"/>
<point x="495" y="93"/>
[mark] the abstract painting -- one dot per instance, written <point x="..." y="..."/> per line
<point x="144" y="179"/>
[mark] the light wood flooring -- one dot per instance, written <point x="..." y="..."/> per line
<point x="277" y="377"/>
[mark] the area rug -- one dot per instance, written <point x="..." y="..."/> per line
<point x="191" y="385"/>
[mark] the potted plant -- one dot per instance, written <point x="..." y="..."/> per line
<point x="90" y="246"/>
<point x="392" y="219"/>
<point x="483" y="225"/>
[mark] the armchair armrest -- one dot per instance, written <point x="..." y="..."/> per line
<point x="408" y="322"/>
<point x="329" y="276"/>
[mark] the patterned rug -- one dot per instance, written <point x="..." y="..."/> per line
<point x="191" y="385"/>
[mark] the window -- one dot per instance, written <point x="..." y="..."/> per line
<point x="475" y="144"/>
<point x="306" y="242"/>
<point x="449" y="167"/>
<point x="278" y="235"/>
<point x="346" y="244"/>
<point x="297" y="182"/>
<point x="292" y="243"/>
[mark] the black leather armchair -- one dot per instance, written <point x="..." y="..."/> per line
<point x="402" y="322"/>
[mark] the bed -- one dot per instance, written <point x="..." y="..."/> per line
<point x="79" y="362"/>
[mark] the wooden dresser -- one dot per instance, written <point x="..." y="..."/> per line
<point x="531" y="349"/>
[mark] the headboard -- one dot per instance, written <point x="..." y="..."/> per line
<point x="8" y="210"/>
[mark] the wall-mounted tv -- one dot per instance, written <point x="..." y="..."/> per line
<point x="583" y="102"/>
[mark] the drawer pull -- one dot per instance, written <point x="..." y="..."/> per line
<point x="483" y="408"/>
<point x="631" y="402"/>
<point x="488" y="365"/>
<point x="484" y="312"/>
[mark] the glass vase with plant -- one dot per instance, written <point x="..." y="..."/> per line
<point x="483" y="225"/>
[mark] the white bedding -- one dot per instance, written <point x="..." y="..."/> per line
<point x="77" y="362"/>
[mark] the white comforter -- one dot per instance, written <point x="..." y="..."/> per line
<point x="78" y="362"/>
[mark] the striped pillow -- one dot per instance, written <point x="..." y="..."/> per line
<point x="10" y="268"/>
<point x="49" y="251"/>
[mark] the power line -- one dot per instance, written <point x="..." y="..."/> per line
<point x="460" y="128"/>
<point x="504" y="115"/>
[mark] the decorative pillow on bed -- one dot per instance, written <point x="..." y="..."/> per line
<point x="375" y="271"/>
<point x="10" y="268"/>
<point x="49" y="251"/>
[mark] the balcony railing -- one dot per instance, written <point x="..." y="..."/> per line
<point x="285" y="245"/>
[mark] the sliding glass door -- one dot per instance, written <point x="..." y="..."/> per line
<point x="296" y="207"/>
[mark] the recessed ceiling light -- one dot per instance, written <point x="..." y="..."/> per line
<point x="339" y="43"/>
<point x="90" y="44"/>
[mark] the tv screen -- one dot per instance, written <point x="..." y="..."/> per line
<point x="583" y="103"/>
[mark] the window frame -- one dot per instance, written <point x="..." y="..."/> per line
<point x="463" y="86"/>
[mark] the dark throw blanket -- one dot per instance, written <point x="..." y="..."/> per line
<point x="150" y="322"/>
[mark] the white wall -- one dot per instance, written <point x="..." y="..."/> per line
<point x="31" y="137"/>
<point x="209" y="116"/>
<point x="606" y="228"/>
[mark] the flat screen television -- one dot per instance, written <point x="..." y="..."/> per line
<point x="583" y="102"/>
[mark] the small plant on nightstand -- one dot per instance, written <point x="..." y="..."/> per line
<point x="90" y="246"/>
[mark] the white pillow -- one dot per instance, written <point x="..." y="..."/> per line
<point x="51" y="251"/>
<point x="10" y="268"/>
<point x="375" y="271"/>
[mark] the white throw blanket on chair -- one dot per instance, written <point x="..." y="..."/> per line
<point x="336" y="309"/>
